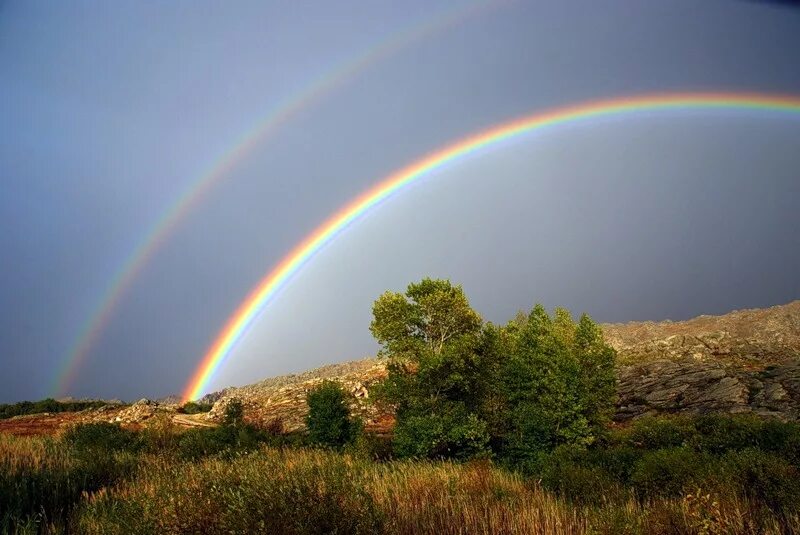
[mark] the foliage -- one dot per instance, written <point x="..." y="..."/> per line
<point x="669" y="472"/>
<point x="194" y="407"/>
<point x="234" y="412"/>
<point x="328" y="422"/>
<point x="461" y="389"/>
<point x="431" y="313"/>
<point x="226" y="440"/>
<point x="10" y="410"/>
<point x="435" y="375"/>
<point x="559" y="384"/>
<point x="102" y="436"/>
<point x="763" y="477"/>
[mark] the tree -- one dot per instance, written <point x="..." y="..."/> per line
<point x="328" y="421"/>
<point x="431" y="313"/>
<point x="559" y="383"/>
<point x="433" y="339"/>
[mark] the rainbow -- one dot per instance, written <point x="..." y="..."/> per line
<point x="197" y="189"/>
<point x="266" y="289"/>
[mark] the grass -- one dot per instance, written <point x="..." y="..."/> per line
<point x="307" y="491"/>
<point x="685" y="476"/>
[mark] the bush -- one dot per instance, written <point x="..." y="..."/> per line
<point x="225" y="440"/>
<point x="268" y="492"/>
<point x="46" y="405"/>
<point x="763" y="477"/>
<point x="372" y="447"/>
<point x="668" y="472"/>
<point x="194" y="407"/>
<point x="329" y="423"/>
<point x="718" y="434"/>
<point x="234" y="412"/>
<point x="654" y="433"/>
<point x="41" y="480"/>
<point x="568" y="472"/>
<point x="451" y="434"/>
<point x="102" y="436"/>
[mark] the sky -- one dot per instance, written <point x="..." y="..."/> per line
<point x="111" y="110"/>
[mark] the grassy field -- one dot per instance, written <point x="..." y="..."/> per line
<point x="660" y="476"/>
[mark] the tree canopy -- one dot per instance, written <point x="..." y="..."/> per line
<point x="463" y="388"/>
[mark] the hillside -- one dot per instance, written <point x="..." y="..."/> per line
<point x="743" y="361"/>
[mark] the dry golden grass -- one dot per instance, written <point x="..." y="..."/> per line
<point x="301" y="491"/>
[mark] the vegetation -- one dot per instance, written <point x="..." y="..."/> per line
<point x="463" y="390"/>
<point x="194" y="407"/>
<point x="500" y="429"/>
<point x="21" y="408"/>
<point x="328" y="421"/>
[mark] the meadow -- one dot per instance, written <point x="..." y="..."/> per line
<point x="709" y="474"/>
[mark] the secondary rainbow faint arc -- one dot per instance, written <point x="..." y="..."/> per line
<point x="258" y="298"/>
<point x="221" y="166"/>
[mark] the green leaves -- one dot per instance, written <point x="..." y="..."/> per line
<point x="430" y="314"/>
<point x="328" y="421"/>
<point x="459" y="386"/>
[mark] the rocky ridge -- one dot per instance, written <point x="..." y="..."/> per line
<point x="743" y="361"/>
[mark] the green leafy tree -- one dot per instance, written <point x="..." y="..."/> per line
<point x="432" y="313"/>
<point x="328" y="421"/>
<point x="559" y="383"/>
<point x="435" y="375"/>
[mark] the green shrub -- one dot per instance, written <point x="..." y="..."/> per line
<point x="372" y="447"/>
<point x="102" y="436"/>
<point x="9" y="410"/>
<point x="717" y="434"/>
<point x="782" y="439"/>
<point x="194" y="407"/>
<point x="763" y="477"/>
<point x="667" y="472"/>
<point x="234" y="412"/>
<point x="617" y="461"/>
<point x="655" y="433"/>
<point x="329" y="423"/>
<point x="226" y="440"/>
<point x="268" y="492"/>
<point x="451" y="434"/>
<point x="568" y="472"/>
<point x="44" y="480"/>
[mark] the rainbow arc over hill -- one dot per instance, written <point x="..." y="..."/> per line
<point x="249" y="309"/>
<point x="197" y="189"/>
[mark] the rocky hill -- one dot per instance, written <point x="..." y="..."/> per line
<point x="743" y="361"/>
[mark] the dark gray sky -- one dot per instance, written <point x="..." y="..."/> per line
<point x="111" y="109"/>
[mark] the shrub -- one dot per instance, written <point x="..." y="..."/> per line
<point x="194" y="407"/>
<point x="268" y="492"/>
<point x="329" y="423"/>
<point x="448" y="434"/>
<point x="567" y="471"/>
<point x="667" y="472"/>
<point x="41" y="480"/>
<point x="226" y="440"/>
<point x="102" y="436"/>
<point x="234" y="412"/>
<point x="372" y="447"/>
<point x="718" y="434"/>
<point x="654" y="433"/>
<point x="46" y="405"/>
<point x="763" y="477"/>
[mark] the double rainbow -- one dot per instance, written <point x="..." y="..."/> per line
<point x="197" y="189"/>
<point x="261" y="295"/>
